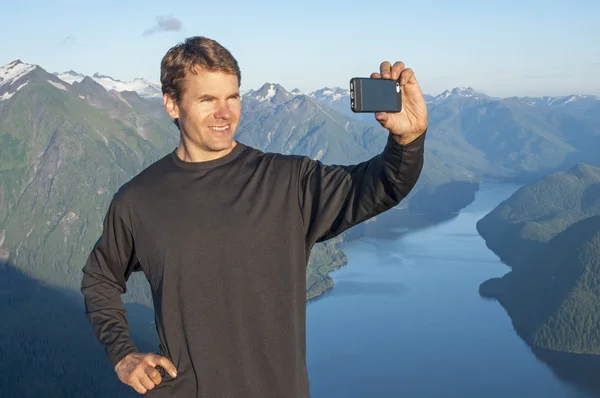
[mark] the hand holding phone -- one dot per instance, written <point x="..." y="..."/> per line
<point x="395" y="98"/>
<point x="370" y="95"/>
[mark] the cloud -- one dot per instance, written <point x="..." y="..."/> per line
<point x="164" y="24"/>
<point x="68" y="41"/>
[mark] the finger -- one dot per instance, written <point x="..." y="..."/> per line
<point x="154" y="375"/>
<point x="146" y="382"/>
<point x="385" y="69"/>
<point x="138" y="387"/>
<point x="168" y="366"/>
<point x="375" y="75"/>
<point x="406" y="76"/>
<point x="397" y="70"/>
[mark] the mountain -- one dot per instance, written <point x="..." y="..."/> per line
<point x="539" y="211"/>
<point x="269" y="94"/>
<point x="64" y="150"/>
<point x="490" y="137"/>
<point x="500" y="138"/>
<point x="338" y="99"/>
<point x="514" y="138"/>
<point x="142" y="87"/>
<point x="549" y="233"/>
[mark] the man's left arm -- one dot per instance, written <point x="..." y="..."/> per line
<point x="334" y="198"/>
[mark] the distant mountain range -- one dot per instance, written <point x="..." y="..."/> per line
<point x="143" y="87"/>
<point x="67" y="141"/>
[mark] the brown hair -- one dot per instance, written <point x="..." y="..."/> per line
<point x="195" y="52"/>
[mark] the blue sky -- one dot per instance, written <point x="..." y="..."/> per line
<point x="500" y="48"/>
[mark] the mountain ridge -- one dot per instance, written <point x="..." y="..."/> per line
<point x="335" y="91"/>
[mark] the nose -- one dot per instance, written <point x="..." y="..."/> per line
<point x="222" y="111"/>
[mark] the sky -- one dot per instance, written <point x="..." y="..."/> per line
<point x="500" y="48"/>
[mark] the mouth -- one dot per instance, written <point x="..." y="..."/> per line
<point x="220" y="129"/>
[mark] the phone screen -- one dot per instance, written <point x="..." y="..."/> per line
<point x="379" y="95"/>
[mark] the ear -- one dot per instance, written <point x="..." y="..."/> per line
<point x="171" y="106"/>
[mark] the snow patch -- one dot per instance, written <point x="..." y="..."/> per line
<point x="270" y="94"/>
<point x="67" y="222"/>
<point x="70" y="77"/>
<point x="58" y="85"/>
<point x="143" y="87"/>
<point x="6" y="96"/>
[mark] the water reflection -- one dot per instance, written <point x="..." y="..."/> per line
<point x="579" y="370"/>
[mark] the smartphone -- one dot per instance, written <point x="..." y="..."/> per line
<point x="375" y="95"/>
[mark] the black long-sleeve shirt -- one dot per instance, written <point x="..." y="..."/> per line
<point x="225" y="245"/>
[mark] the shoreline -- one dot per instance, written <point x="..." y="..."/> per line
<point x="390" y="225"/>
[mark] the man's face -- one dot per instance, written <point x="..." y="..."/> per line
<point x="208" y="111"/>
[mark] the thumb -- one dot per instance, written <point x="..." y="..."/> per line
<point x="167" y="365"/>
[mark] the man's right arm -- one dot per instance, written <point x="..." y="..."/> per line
<point x="105" y="276"/>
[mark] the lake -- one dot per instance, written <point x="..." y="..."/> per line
<point x="405" y="319"/>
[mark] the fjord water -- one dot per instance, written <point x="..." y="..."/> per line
<point x="405" y="319"/>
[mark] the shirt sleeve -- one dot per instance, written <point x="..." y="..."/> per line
<point x="334" y="198"/>
<point x="105" y="275"/>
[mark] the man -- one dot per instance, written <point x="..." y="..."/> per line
<point x="223" y="232"/>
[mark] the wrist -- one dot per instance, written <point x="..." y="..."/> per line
<point x="406" y="139"/>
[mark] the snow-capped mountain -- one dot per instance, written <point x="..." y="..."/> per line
<point x="13" y="71"/>
<point x="143" y="87"/>
<point x="558" y="101"/>
<point x="458" y="93"/>
<point x="70" y="77"/>
<point x="330" y="94"/>
<point x="11" y="78"/>
<point x="269" y="93"/>
<point x="17" y="74"/>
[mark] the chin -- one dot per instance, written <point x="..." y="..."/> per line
<point x="221" y="144"/>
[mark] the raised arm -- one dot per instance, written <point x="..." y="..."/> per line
<point x="105" y="275"/>
<point x="334" y="198"/>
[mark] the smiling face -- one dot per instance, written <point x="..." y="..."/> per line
<point x="208" y="113"/>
